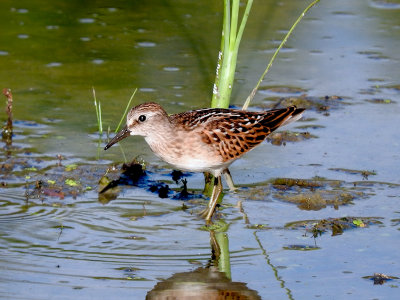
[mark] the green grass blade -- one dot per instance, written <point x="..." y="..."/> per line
<point x="98" y="112"/>
<point x="100" y="121"/>
<point x="126" y="110"/>
<point x="254" y="91"/>
<point x="123" y="153"/>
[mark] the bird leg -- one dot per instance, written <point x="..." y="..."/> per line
<point x="229" y="180"/>
<point x="217" y="189"/>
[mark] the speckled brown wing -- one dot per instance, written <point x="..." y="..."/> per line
<point x="192" y="119"/>
<point x="232" y="133"/>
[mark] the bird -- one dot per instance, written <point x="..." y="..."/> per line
<point x="203" y="140"/>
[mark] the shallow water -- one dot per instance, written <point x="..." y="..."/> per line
<point x="77" y="246"/>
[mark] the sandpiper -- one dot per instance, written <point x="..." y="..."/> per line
<point x="203" y="140"/>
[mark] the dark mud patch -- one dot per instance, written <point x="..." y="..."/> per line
<point x="310" y="126"/>
<point x="314" y="194"/>
<point x="318" y="104"/>
<point x="378" y="88"/>
<point x="385" y="4"/>
<point x="306" y="183"/>
<point x="380" y="278"/>
<point x="335" y="226"/>
<point x="282" y="137"/>
<point x="381" y="101"/>
<point x="364" y="173"/>
<point x="394" y="87"/>
<point x="309" y="194"/>
<point x="301" y="247"/>
<point x="51" y="180"/>
<point x="375" y="55"/>
<point x="318" y="200"/>
<point x="281" y="90"/>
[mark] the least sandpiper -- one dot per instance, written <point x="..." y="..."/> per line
<point x="203" y="140"/>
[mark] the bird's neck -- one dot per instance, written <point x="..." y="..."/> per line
<point x="159" y="137"/>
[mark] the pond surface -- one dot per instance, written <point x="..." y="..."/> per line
<point x="316" y="218"/>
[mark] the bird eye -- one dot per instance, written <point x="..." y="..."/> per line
<point x="142" y="118"/>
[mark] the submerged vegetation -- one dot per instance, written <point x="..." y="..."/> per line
<point x="336" y="226"/>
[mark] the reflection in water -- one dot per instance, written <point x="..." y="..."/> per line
<point x="220" y="250"/>
<point x="211" y="282"/>
<point x="202" y="283"/>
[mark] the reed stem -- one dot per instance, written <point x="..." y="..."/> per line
<point x="227" y="58"/>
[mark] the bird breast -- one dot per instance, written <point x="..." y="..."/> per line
<point x="185" y="151"/>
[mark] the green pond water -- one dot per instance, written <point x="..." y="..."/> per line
<point x="314" y="219"/>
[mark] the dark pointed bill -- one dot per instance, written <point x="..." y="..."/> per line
<point x="120" y="136"/>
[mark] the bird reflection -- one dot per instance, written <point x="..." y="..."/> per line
<point x="202" y="283"/>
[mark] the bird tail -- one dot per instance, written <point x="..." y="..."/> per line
<point x="296" y="115"/>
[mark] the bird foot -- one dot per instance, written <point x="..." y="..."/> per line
<point x="207" y="214"/>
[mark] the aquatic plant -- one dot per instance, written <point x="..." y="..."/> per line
<point x="227" y="57"/>
<point x="126" y="111"/>
<point x="97" y="106"/>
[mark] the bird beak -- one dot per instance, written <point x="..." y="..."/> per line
<point x="120" y="136"/>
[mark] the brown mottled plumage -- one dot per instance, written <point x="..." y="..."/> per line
<point x="204" y="140"/>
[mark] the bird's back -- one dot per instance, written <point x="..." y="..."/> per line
<point x="231" y="133"/>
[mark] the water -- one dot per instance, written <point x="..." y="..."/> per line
<point x="74" y="245"/>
